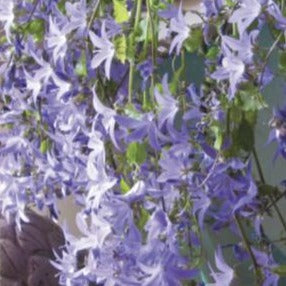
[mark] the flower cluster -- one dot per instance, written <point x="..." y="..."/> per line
<point x="153" y="159"/>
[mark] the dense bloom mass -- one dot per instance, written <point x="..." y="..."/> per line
<point x="149" y="133"/>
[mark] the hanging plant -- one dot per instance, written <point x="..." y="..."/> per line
<point x="100" y="102"/>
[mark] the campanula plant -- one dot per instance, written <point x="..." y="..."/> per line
<point x="154" y="160"/>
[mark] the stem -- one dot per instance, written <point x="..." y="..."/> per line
<point x="260" y="172"/>
<point x="153" y="45"/>
<point x="249" y="250"/>
<point x="93" y="15"/>
<point x="258" y="165"/>
<point x="132" y="44"/>
<point x="275" y="201"/>
<point x="272" y="48"/>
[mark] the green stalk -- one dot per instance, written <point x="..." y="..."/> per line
<point x="132" y="44"/>
<point x="93" y="14"/>
<point x="273" y="202"/>
<point x="249" y="250"/>
<point x="153" y="44"/>
<point x="183" y="65"/>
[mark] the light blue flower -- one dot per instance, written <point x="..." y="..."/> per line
<point x="56" y="40"/>
<point x="179" y="26"/>
<point x="247" y="12"/>
<point x="104" y="50"/>
<point x="7" y="16"/>
<point x="225" y="274"/>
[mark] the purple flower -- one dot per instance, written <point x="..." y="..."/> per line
<point x="168" y="105"/>
<point x="179" y="26"/>
<point x="175" y="163"/>
<point x="232" y="68"/>
<point x="108" y="118"/>
<point x="100" y="181"/>
<point x="274" y="10"/>
<point x="247" y="12"/>
<point x="104" y="50"/>
<point x="136" y="193"/>
<point x="7" y="16"/>
<point x="278" y="123"/>
<point x="212" y="7"/>
<point x="237" y="54"/>
<point x="56" y="40"/>
<point x="142" y="127"/>
<point x="242" y="47"/>
<point x="77" y="15"/>
<point x="225" y="274"/>
<point x="201" y="205"/>
<point x="145" y="68"/>
<point x="266" y="261"/>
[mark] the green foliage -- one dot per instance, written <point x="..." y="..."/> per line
<point x="121" y="48"/>
<point x="243" y="136"/>
<point x="80" y="67"/>
<point x="130" y="111"/>
<point x="231" y="3"/>
<point x="250" y="98"/>
<point x="193" y="43"/>
<point x="265" y="189"/>
<point x="130" y="53"/>
<point x="45" y="146"/>
<point x="36" y="28"/>
<point x="120" y="11"/>
<point x="136" y="153"/>
<point x="218" y="133"/>
<point x="175" y="81"/>
<point x="280" y="270"/>
<point x="61" y="6"/>
<point x="212" y="53"/>
<point x="124" y="187"/>
<point x="142" y="217"/>
<point x="282" y="62"/>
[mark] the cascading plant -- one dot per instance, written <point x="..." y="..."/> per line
<point x="100" y="101"/>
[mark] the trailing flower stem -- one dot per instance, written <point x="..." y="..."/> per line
<point x="249" y="250"/>
<point x="93" y="14"/>
<point x="132" y="44"/>
<point x="262" y="178"/>
<point x="152" y="18"/>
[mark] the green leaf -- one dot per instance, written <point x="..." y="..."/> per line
<point x="218" y="131"/>
<point x="120" y="11"/>
<point x="265" y="189"/>
<point x="136" y="153"/>
<point x="282" y="62"/>
<point x="61" y="6"/>
<point x="280" y="270"/>
<point x="193" y="43"/>
<point x="130" y="53"/>
<point x="121" y="48"/>
<point x="230" y="3"/>
<point x="212" y="53"/>
<point x="143" y="29"/>
<point x="130" y="111"/>
<point x="124" y="186"/>
<point x="244" y="136"/>
<point x="143" y="218"/>
<point x="80" y="67"/>
<point x="36" y="28"/>
<point x="250" y="98"/>
<point x="45" y="145"/>
<point x="174" y="84"/>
